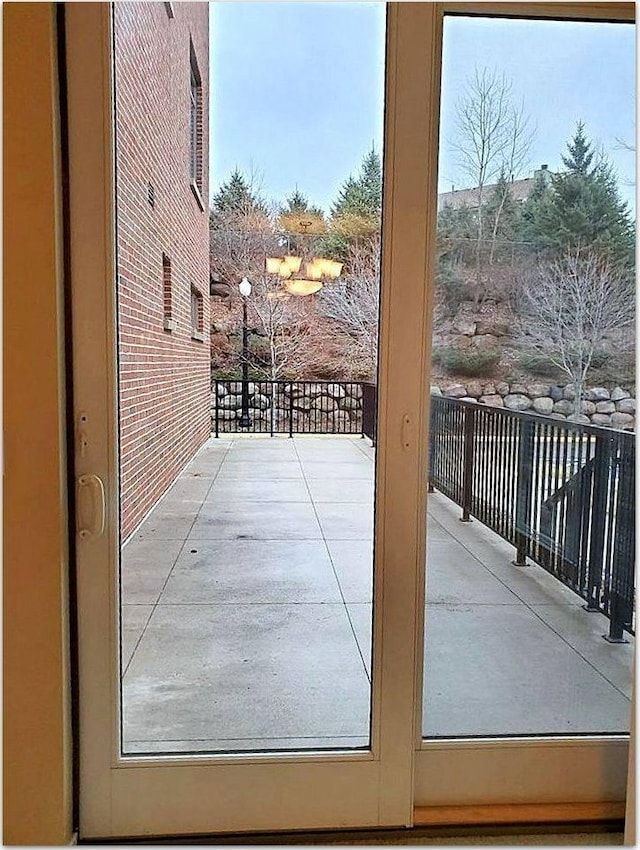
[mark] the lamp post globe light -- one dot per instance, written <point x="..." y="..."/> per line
<point x="245" y="291"/>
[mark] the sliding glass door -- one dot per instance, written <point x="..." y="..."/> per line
<point x="257" y="649"/>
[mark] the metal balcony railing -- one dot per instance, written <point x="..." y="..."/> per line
<point x="287" y="407"/>
<point x="561" y="493"/>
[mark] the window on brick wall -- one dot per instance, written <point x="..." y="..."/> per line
<point x="197" y="314"/>
<point x="167" y="293"/>
<point x="195" y="128"/>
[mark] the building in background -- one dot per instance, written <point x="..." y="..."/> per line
<point x="520" y="190"/>
<point x="162" y="151"/>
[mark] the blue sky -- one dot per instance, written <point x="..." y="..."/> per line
<point x="297" y="89"/>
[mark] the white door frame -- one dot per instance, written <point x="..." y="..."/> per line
<point x="187" y="794"/>
<point x="521" y="770"/>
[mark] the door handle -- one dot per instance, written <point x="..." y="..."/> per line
<point x="99" y="512"/>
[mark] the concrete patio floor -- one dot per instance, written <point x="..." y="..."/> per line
<point x="246" y="614"/>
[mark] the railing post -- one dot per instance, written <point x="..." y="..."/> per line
<point x="432" y="444"/>
<point x="291" y="410"/>
<point x="622" y="466"/>
<point x="215" y="389"/>
<point x="597" y="517"/>
<point x="467" y="474"/>
<point x="523" y="492"/>
<point x="272" y="409"/>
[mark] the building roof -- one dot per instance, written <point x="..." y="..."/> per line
<point x="458" y="198"/>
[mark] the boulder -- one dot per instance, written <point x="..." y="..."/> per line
<point x="579" y="419"/>
<point x="335" y="391"/>
<point x="605" y="407"/>
<point x="226" y="415"/>
<point x="556" y="393"/>
<point x="538" y="390"/>
<point x="235" y="387"/>
<point x="349" y="403"/>
<point x="436" y="391"/>
<point x="229" y="402"/>
<point x="455" y="391"/>
<point x="517" y="401"/>
<point x="601" y="419"/>
<point x="485" y="342"/>
<point x="557" y="416"/>
<point x="519" y="389"/>
<point x="324" y="403"/>
<point x="587" y="407"/>
<point x="564" y="406"/>
<point x="622" y="421"/>
<point x="260" y="402"/>
<point x="474" y="389"/>
<point x="597" y="394"/>
<point x="464" y="325"/>
<point x="626" y="405"/>
<point x="294" y="390"/>
<point x="543" y="405"/>
<point x="492" y="400"/>
<point x="495" y="327"/>
<point x="569" y="392"/>
<point x="221" y="390"/>
<point x="488" y="389"/>
<point x="468" y="398"/>
<point x="502" y="388"/>
<point x="618" y="394"/>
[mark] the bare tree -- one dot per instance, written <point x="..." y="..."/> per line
<point x="573" y="309"/>
<point x="239" y="243"/>
<point x="492" y="137"/>
<point x="354" y="302"/>
<point x="282" y="321"/>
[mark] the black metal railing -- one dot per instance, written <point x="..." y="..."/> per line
<point x="287" y="407"/>
<point x="561" y="493"/>
<point x="369" y="411"/>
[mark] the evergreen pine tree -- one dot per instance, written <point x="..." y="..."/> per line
<point x="583" y="209"/>
<point x="580" y="153"/>
<point x="502" y="219"/>
<point x="355" y="215"/>
<point x="235" y="197"/>
<point x="527" y="231"/>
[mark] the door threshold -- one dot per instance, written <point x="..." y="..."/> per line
<point x="523" y="814"/>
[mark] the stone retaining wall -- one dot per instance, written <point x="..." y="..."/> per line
<point x="332" y="408"/>
<point x="614" y="408"/>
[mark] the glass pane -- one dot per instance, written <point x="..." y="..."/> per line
<point x="529" y="612"/>
<point x="247" y="357"/>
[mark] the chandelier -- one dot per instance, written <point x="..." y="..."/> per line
<point x="315" y="274"/>
<point x="312" y="278"/>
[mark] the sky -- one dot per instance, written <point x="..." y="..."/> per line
<point x="297" y="90"/>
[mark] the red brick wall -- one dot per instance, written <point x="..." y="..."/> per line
<point x="164" y="374"/>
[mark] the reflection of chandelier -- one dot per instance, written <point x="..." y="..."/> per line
<point x="316" y="272"/>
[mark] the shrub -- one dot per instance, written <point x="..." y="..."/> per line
<point x="452" y="287"/>
<point x="538" y="364"/>
<point x="468" y="361"/>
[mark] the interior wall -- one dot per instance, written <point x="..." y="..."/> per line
<point x="37" y="752"/>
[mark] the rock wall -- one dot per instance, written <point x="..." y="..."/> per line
<point x="332" y="408"/>
<point x="614" y="408"/>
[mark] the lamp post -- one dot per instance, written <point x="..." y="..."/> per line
<point x="245" y="291"/>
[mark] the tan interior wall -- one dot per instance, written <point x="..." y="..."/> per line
<point x="37" y="758"/>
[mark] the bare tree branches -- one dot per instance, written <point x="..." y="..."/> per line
<point x="353" y="304"/>
<point x="574" y="308"/>
<point x="492" y="139"/>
